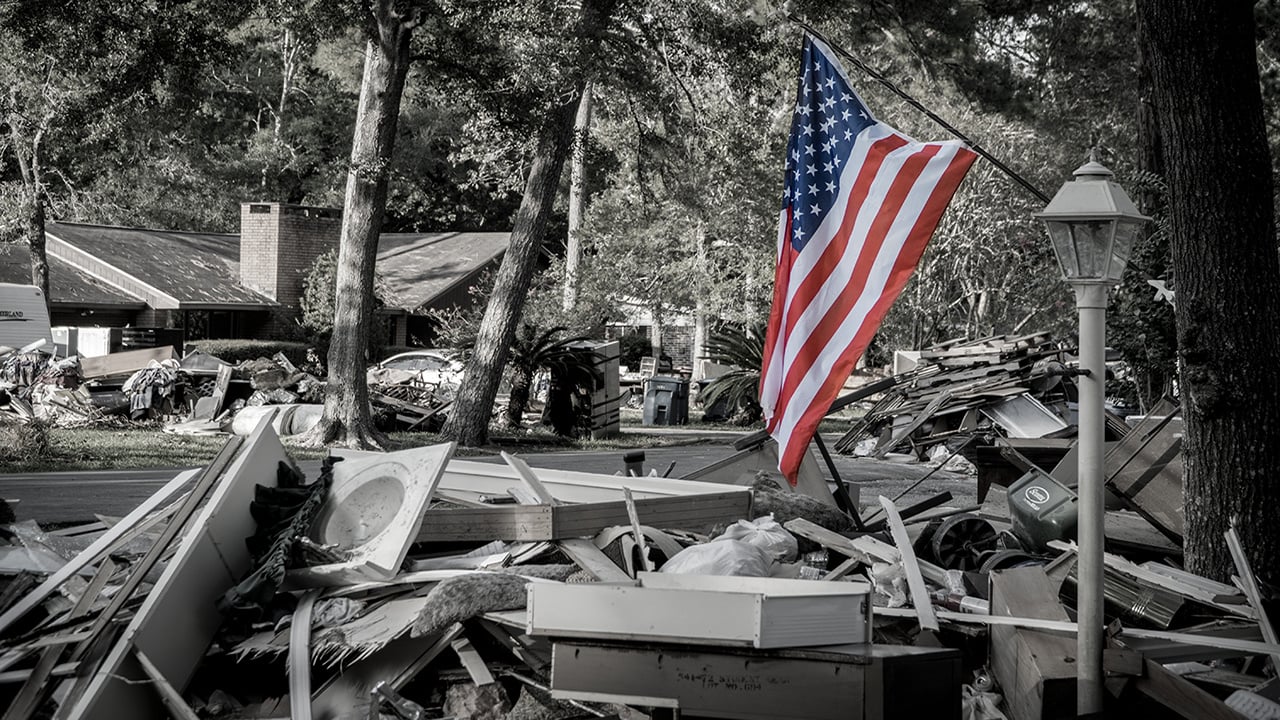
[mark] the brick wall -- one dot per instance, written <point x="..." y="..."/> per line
<point x="278" y="244"/>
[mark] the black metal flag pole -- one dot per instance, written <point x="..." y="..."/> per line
<point x="927" y="112"/>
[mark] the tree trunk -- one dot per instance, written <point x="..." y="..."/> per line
<point x="700" y="307"/>
<point x="33" y="232"/>
<point x="346" y="418"/>
<point x="577" y="191"/>
<point x="1205" y="79"/>
<point x="27" y="152"/>
<point x="469" y="422"/>
<point x="518" y="398"/>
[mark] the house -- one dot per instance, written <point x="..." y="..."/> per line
<point x="246" y="285"/>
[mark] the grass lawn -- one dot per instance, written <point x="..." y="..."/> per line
<point x="136" y="448"/>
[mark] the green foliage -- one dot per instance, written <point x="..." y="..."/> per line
<point x="319" y="298"/>
<point x="319" y="303"/>
<point x="1141" y="324"/>
<point x="632" y="347"/>
<point x="741" y="347"/>
<point x="537" y="349"/>
<point x="238" y="351"/>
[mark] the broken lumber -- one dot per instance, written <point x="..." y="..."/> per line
<point x="915" y="581"/>
<point x="1037" y="670"/>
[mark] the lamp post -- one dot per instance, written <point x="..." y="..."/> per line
<point x="1092" y="224"/>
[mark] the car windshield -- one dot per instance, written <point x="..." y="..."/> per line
<point x="416" y="363"/>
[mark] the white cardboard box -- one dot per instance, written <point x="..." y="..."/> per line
<point x="706" y="610"/>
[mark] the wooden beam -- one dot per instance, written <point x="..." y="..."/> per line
<point x="171" y="698"/>
<point x="1249" y="584"/>
<point x="636" y="530"/>
<point x="1037" y="670"/>
<point x="1181" y="696"/>
<point x="472" y="661"/>
<point x="530" y="479"/>
<point x="28" y="698"/>
<point x="590" y="558"/>
<point x="842" y="569"/>
<point x="99" y="548"/>
<point x="915" y="581"/>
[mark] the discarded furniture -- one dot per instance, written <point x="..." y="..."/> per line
<point x="705" y="610"/>
<point x="1036" y="669"/>
<point x="843" y="682"/>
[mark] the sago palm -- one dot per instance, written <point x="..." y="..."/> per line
<point x="741" y="348"/>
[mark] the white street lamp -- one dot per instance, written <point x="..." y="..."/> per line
<point x="1092" y="224"/>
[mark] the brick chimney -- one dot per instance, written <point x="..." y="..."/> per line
<point x="278" y="245"/>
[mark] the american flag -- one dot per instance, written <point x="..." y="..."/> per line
<point x="861" y="201"/>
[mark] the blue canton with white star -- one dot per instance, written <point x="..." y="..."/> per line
<point x="828" y="117"/>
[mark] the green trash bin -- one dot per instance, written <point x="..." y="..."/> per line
<point x="666" y="400"/>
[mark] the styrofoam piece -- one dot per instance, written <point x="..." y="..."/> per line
<point x="705" y="610"/>
<point x="373" y="514"/>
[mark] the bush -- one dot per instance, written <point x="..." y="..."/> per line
<point x="237" y="351"/>
<point x="632" y="347"/>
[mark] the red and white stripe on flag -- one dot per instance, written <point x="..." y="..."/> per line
<point x="858" y="211"/>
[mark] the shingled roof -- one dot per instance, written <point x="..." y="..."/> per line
<point x="68" y="285"/>
<point x="419" y="270"/>
<point x="172" y="269"/>
<point x="167" y="269"/>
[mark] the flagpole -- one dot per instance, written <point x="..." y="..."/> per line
<point x="927" y="112"/>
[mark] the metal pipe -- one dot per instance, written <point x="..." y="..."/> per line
<point x="1091" y="300"/>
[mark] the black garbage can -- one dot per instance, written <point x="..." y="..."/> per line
<point x="666" y="400"/>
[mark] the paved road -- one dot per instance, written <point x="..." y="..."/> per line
<point x="71" y="496"/>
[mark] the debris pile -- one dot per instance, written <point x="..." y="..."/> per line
<point x="416" y="584"/>
<point x="1013" y="385"/>
<point x="197" y="394"/>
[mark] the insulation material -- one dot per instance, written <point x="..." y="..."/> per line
<point x="466" y="597"/>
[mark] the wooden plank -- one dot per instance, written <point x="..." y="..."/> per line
<point x="204" y="484"/>
<point x="589" y="557"/>
<point x="915" y="581"/>
<point x="479" y="478"/>
<point x="171" y="698"/>
<point x="636" y="531"/>
<point x="1198" y="593"/>
<point x="28" y="697"/>
<point x="530" y="479"/>
<point x="919" y="419"/>
<point x="1181" y="696"/>
<point x="1251" y="591"/>
<point x="1037" y="670"/>
<point x="826" y="538"/>
<point x="1145" y="467"/>
<point x="111" y="539"/>
<point x="536" y="523"/>
<point x="472" y="661"/>
<point x="842" y="569"/>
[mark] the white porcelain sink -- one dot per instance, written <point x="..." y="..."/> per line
<point x="373" y="514"/>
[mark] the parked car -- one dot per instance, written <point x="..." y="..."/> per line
<point x="435" y="368"/>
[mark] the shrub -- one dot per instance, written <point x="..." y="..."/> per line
<point x="237" y="351"/>
<point x="632" y="347"/>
